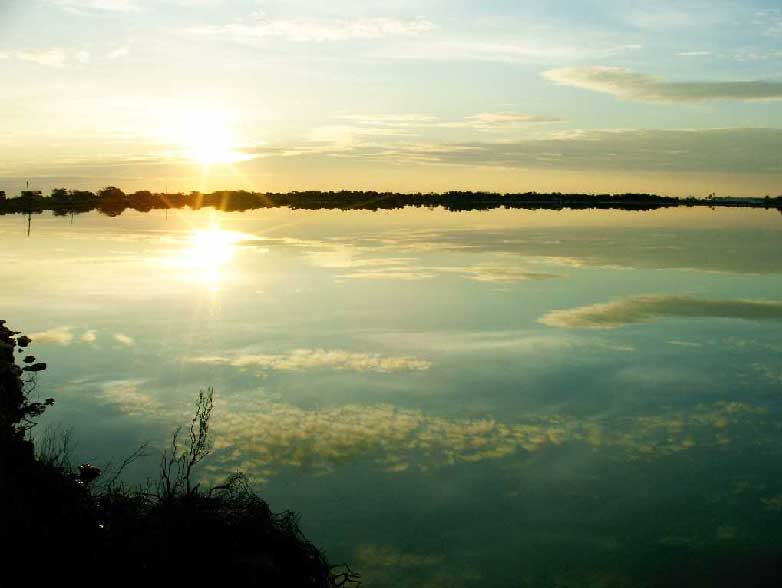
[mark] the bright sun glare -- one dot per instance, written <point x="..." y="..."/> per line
<point x="209" y="141"/>
<point x="207" y="254"/>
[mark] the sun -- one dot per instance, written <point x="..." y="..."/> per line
<point x="209" y="141"/>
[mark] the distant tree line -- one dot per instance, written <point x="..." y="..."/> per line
<point x="112" y="201"/>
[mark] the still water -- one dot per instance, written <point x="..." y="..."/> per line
<point x="502" y="398"/>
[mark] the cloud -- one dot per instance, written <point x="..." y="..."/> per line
<point x="646" y="309"/>
<point x="531" y="49"/>
<point x="517" y="343"/>
<point x="388" y="274"/>
<point x="625" y="83"/>
<point x="387" y="556"/>
<point x="59" y="335"/>
<point x="89" y="337"/>
<point x="723" y="151"/>
<point x="498" y="274"/>
<point x="81" y="6"/>
<point x="262" y="437"/>
<point x="124" y="339"/>
<point x="305" y="359"/>
<point x="689" y="150"/>
<point x="314" y="30"/>
<point x="118" y="53"/>
<point x="269" y="436"/>
<point x="771" y="21"/>
<point x="125" y="395"/>
<point x="499" y="120"/>
<point x="55" y="57"/>
<point x="390" y="120"/>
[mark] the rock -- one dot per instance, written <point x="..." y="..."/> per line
<point x="36" y="367"/>
<point x="88" y="473"/>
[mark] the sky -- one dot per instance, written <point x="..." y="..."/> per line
<point x="676" y="97"/>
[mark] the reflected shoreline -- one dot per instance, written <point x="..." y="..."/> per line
<point x="113" y="201"/>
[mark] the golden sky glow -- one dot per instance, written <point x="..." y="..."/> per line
<point x="185" y="95"/>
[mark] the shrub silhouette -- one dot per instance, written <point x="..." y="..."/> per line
<point x="60" y="522"/>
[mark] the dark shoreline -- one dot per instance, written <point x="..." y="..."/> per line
<point x="60" y="520"/>
<point x="113" y="202"/>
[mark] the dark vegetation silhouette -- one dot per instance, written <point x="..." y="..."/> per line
<point x="60" y="524"/>
<point x="112" y="201"/>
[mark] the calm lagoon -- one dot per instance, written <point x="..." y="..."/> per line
<point x="498" y="398"/>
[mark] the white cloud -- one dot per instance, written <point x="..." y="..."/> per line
<point x="390" y="120"/>
<point x="118" y="53"/>
<point x="126" y="396"/>
<point x="701" y="150"/>
<point x="98" y="5"/>
<point x="646" y="309"/>
<point x="262" y="437"/>
<point x="124" y="339"/>
<point x="625" y="83"/>
<point x="89" y="336"/>
<point x="55" y="57"/>
<point x="60" y="335"/>
<point x="499" y="120"/>
<point x="771" y="21"/>
<point x="531" y="49"/>
<point x="495" y="273"/>
<point x="315" y="30"/>
<point x="304" y="359"/>
<point x="388" y="274"/>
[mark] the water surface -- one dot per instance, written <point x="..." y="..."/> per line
<point x="497" y="398"/>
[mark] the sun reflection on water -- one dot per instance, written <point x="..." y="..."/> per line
<point x="209" y="255"/>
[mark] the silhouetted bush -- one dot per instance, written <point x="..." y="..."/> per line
<point x="62" y="524"/>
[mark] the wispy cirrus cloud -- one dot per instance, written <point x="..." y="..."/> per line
<point x="719" y="150"/>
<point x="118" y="53"/>
<point x="625" y="83"/>
<point x="770" y="20"/>
<point x="98" y="5"/>
<point x="406" y="124"/>
<point x="645" y="309"/>
<point x="53" y="57"/>
<point x="390" y="120"/>
<point x="307" y="359"/>
<point x="260" y="27"/>
<point x="539" y="48"/>
<point x="494" y="273"/>
<point x="499" y="121"/>
<point x="388" y="274"/>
